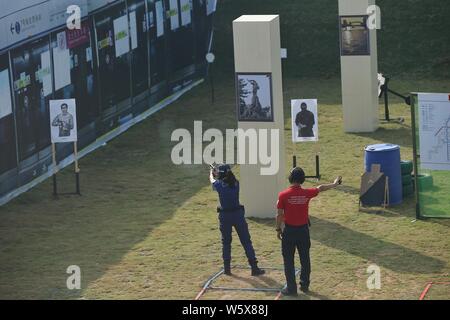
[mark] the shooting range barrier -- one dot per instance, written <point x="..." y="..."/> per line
<point x="209" y="284"/>
<point x="432" y="187"/>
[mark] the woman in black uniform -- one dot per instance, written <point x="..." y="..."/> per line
<point x="232" y="214"/>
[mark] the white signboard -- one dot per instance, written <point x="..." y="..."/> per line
<point x="133" y="30"/>
<point x="5" y="94"/>
<point x="63" y="121"/>
<point x="45" y="74"/>
<point x="305" y="125"/>
<point x="173" y="14"/>
<point x="61" y="61"/>
<point x="185" y="12"/>
<point x="159" y="18"/>
<point x="21" y="19"/>
<point x="121" y="36"/>
<point x="211" y="6"/>
<point x="434" y="130"/>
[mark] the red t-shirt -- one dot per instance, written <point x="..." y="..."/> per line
<point x="295" y="202"/>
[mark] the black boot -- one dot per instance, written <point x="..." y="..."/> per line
<point x="255" y="270"/>
<point x="227" y="267"/>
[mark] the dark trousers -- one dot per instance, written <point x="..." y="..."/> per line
<point x="296" y="238"/>
<point x="235" y="219"/>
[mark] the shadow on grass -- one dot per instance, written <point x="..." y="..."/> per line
<point x="397" y="135"/>
<point x="383" y="253"/>
<point x="256" y="282"/>
<point x="130" y="187"/>
<point x="380" y="252"/>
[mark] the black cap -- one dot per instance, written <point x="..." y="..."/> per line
<point x="223" y="169"/>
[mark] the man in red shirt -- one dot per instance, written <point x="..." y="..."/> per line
<point x="292" y="208"/>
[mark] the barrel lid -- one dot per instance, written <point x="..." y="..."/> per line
<point x="382" y="147"/>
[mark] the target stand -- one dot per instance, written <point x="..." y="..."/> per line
<point x="56" y="170"/>
<point x="317" y="175"/>
<point x="209" y="284"/>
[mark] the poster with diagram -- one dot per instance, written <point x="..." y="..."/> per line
<point x="434" y="130"/>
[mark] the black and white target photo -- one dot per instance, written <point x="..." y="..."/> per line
<point x="254" y="97"/>
<point x="63" y="121"/>
<point x="355" y="36"/>
<point x="305" y="125"/>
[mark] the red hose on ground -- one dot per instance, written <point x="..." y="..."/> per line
<point x="199" y="295"/>
<point x="425" y="291"/>
<point x="427" y="288"/>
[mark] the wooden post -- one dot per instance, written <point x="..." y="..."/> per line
<point x="75" y="153"/>
<point x="77" y="168"/>
<point x="55" y="170"/>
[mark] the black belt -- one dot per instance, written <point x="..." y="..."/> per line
<point x="297" y="227"/>
<point x="219" y="209"/>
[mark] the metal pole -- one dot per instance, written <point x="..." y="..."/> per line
<point x="55" y="188"/>
<point x="415" y="156"/>
<point x="318" y="167"/>
<point x="77" y="168"/>
<point x="211" y="79"/>
<point x="386" y="100"/>
<point x="294" y="161"/>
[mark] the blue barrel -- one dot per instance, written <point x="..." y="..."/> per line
<point x="388" y="157"/>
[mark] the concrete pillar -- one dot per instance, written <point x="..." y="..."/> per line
<point x="257" y="49"/>
<point x="359" y="77"/>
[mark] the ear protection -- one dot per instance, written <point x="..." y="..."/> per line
<point x="223" y="170"/>
<point x="297" y="175"/>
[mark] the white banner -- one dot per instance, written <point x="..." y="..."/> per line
<point x="159" y="18"/>
<point x="133" y="30"/>
<point x="434" y="130"/>
<point x="61" y="61"/>
<point x="305" y="125"/>
<point x="211" y="6"/>
<point x="185" y="12"/>
<point x="173" y="14"/>
<point x="63" y="121"/>
<point x="5" y="94"/>
<point x="121" y="36"/>
<point x="45" y="73"/>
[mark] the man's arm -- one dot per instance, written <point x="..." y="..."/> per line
<point x="326" y="187"/>
<point x="279" y="220"/>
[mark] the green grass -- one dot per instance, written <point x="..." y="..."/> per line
<point x="413" y="38"/>
<point x="438" y="291"/>
<point x="146" y="229"/>
<point x="434" y="202"/>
